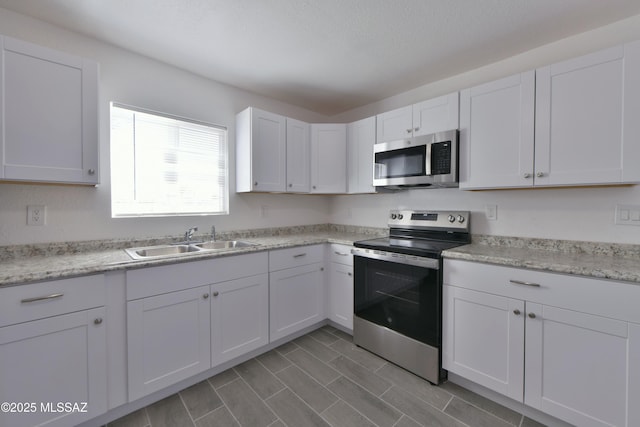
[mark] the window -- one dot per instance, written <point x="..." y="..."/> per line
<point x="163" y="165"/>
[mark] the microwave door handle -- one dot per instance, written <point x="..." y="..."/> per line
<point x="427" y="161"/>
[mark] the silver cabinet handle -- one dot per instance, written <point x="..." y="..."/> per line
<point x="290" y="185"/>
<point x="408" y="130"/>
<point x="416" y="129"/>
<point x="299" y="255"/>
<point x="321" y="268"/>
<point x="98" y="321"/>
<point x="340" y="253"/>
<point x="255" y="184"/>
<point x="540" y="174"/>
<point x="205" y="296"/>
<point x="48" y="297"/>
<point x="520" y="282"/>
<point x="91" y="171"/>
<point x="527" y="175"/>
<point x="516" y="312"/>
<point x="532" y="315"/>
<point x="349" y="274"/>
<point x="216" y="293"/>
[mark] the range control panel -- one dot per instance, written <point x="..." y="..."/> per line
<point x="458" y="220"/>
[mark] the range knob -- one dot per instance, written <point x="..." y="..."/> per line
<point x="393" y="216"/>
<point x="451" y="218"/>
<point x="460" y="219"/>
<point x="399" y="216"/>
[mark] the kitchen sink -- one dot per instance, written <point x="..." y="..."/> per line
<point x="165" y="251"/>
<point x="223" y="244"/>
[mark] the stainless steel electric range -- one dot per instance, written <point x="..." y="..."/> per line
<point x="398" y="288"/>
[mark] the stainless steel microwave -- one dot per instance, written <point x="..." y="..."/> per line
<point x="422" y="161"/>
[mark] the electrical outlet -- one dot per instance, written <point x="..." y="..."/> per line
<point x="491" y="211"/>
<point x="627" y="215"/>
<point x="264" y="211"/>
<point x="36" y="214"/>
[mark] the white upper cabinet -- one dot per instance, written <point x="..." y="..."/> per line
<point x="587" y="111"/>
<point x="329" y="158"/>
<point x="48" y="115"/>
<point x="496" y="133"/>
<point x="361" y="136"/>
<point x="298" y="153"/>
<point x="586" y="128"/>
<point x="434" y="115"/>
<point x="261" y="151"/>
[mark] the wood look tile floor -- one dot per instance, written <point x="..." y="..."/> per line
<point x="322" y="379"/>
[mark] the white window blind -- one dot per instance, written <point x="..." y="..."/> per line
<point x="163" y="165"/>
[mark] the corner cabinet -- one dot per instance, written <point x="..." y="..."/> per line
<point x="582" y="112"/>
<point x="329" y="158"/>
<point x="296" y="289"/>
<point x="48" y="115"/>
<point x="53" y="350"/>
<point x="565" y="345"/>
<point x="361" y="137"/>
<point x="426" y="117"/>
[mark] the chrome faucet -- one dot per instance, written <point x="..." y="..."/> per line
<point x="189" y="234"/>
<point x="213" y="233"/>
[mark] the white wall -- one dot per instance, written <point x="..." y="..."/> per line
<point x="565" y="213"/>
<point x="84" y="213"/>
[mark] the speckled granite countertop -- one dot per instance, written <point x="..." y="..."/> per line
<point x="600" y="260"/>
<point x="32" y="263"/>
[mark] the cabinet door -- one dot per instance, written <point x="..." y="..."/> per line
<point x="436" y="115"/>
<point x="340" y="291"/>
<point x="496" y="133"/>
<point x="49" y="115"/>
<point x="296" y="299"/>
<point x="395" y="124"/>
<point x="361" y="136"/>
<point x="483" y="339"/>
<point x="58" y="359"/>
<point x="585" y="113"/>
<point x="168" y="339"/>
<point x="328" y="158"/>
<point x="578" y="366"/>
<point x="298" y="156"/>
<point x="239" y="317"/>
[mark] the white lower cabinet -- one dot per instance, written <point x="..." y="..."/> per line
<point x="296" y="294"/>
<point x="340" y="286"/>
<point x="182" y="319"/>
<point x="565" y="345"/>
<point x="239" y="317"/>
<point x="53" y="365"/>
<point x="168" y="339"/>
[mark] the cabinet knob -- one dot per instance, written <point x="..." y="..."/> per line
<point x="91" y="171"/>
<point x="408" y="130"/>
<point x="349" y="274"/>
<point x="216" y="293"/>
<point x="321" y="268"/>
<point x="314" y="187"/>
<point x="98" y="321"/>
<point x="255" y="184"/>
<point x="516" y="312"/>
<point x="290" y="185"/>
<point x="532" y="315"/>
<point x="416" y="129"/>
<point x="527" y="175"/>
<point x="540" y="174"/>
<point x="205" y="296"/>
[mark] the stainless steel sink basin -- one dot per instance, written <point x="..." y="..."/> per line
<point x="223" y="244"/>
<point x="166" y="251"/>
<point x="161" y="251"/>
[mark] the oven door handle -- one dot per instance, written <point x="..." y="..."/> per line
<point x="430" y="263"/>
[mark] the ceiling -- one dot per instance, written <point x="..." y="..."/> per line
<point x="328" y="56"/>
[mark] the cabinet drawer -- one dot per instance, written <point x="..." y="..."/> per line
<point x="340" y="254"/>
<point x="294" y="257"/>
<point x="147" y="282"/>
<point x="608" y="298"/>
<point x="39" y="300"/>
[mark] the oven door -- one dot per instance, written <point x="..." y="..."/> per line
<point x="402" y="297"/>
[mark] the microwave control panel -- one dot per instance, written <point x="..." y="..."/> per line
<point x="441" y="158"/>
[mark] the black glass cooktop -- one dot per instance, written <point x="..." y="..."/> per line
<point x="411" y="246"/>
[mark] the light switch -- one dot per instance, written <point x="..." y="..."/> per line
<point x="628" y="215"/>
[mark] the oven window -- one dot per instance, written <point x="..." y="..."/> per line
<point x="399" y="163"/>
<point x="404" y="298"/>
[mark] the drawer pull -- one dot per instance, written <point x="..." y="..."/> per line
<point x="52" y="296"/>
<point x="516" y="312"/>
<point x="299" y="255"/>
<point x="532" y="315"/>
<point x="340" y="253"/>
<point x="98" y="321"/>
<point x="520" y="282"/>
